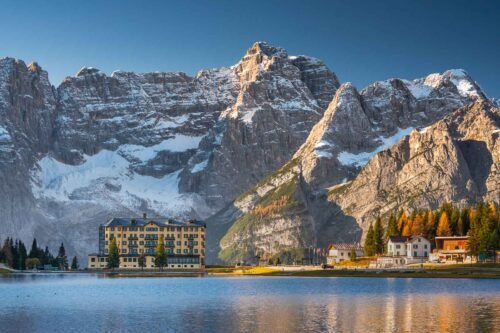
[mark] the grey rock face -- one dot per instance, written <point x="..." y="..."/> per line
<point x="27" y="110"/>
<point x="161" y="143"/>
<point x="280" y="100"/>
<point x="454" y="160"/>
<point x="354" y="128"/>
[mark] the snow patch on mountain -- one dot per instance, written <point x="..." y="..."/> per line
<point x="179" y="143"/>
<point x="200" y="166"/>
<point x="361" y="159"/>
<point x="422" y="88"/>
<point x="4" y="135"/>
<point x="107" y="174"/>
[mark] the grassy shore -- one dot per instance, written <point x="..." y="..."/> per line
<point x="4" y="271"/>
<point x="484" y="271"/>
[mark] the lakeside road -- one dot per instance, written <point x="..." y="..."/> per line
<point x="475" y="271"/>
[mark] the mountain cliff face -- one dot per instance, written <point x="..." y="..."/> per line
<point x="187" y="147"/>
<point x="280" y="100"/>
<point x="27" y="111"/>
<point x="290" y="209"/>
<point x="162" y="143"/>
<point x="457" y="159"/>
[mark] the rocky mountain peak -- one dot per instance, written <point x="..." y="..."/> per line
<point x="87" y="71"/>
<point x="35" y="68"/>
<point x="265" y="49"/>
<point x="454" y="160"/>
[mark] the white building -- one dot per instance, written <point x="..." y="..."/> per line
<point x="408" y="246"/>
<point x="404" y="250"/>
<point x="342" y="251"/>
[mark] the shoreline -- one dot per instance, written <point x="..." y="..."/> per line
<point x="455" y="271"/>
<point x="477" y="271"/>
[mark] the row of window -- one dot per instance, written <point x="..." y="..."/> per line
<point x="178" y="229"/>
<point x="150" y="236"/>
<point x="153" y="252"/>
<point x="154" y="243"/>
<point x="415" y="246"/>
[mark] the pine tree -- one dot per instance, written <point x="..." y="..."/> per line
<point x="141" y="261"/>
<point x="160" y="255"/>
<point x="278" y="261"/>
<point x="392" y="227"/>
<point x="444" y="225"/>
<point x="378" y="236"/>
<point x="369" y="242"/>
<point x="74" y="264"/>
<point x="62" y="259"/>
<point x="7" y="253"/>
<point x="474" y="244"/>
<point x="465" y="222"/>
<point x="22" y="255"/>
<point x="353" y="255"/>
<point x="114" y="255"/>
<point x="455" y="216"/>
<point x="34" y="250"/>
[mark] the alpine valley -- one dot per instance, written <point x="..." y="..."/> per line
<point x="273" y="152"/>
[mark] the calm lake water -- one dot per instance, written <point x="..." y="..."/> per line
<point x="93" y="303"/>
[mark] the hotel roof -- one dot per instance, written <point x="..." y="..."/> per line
<point x="346" y="246"/>
<point x="159" y="221"/>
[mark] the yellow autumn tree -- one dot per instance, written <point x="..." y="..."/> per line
<point x="429" y="223"/>
<point x="407" y="228"/>
<point x="417" y="227"/>
<point x="443" y="225"/>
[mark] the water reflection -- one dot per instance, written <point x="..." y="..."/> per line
<point x="89" y="304"/>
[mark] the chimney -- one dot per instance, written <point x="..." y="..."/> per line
<point x="144" y="216"/>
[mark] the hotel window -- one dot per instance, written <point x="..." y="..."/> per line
<point x="124" y="251"/>
<point x="92" y="259"/>
<point x="178" y="251"/>
<point x="425" y="246"/>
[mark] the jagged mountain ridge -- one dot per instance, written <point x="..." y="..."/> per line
<point x="171" y="144"/>
<point x="355" y="127"/>
<point x="457" y="159"/>
<point x="162" y="143"/>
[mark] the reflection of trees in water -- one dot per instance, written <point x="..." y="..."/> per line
<point x="392" y="313"/>
<point x="484" y="316"/>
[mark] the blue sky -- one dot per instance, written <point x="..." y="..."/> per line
<point x="361" y="41"/>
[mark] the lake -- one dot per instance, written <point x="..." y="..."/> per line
<point x="97" y="303"/>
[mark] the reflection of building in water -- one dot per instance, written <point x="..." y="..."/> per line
<point x="397" y="306"/>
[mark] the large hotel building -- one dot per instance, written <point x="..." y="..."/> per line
<point x="184" y="243"/>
